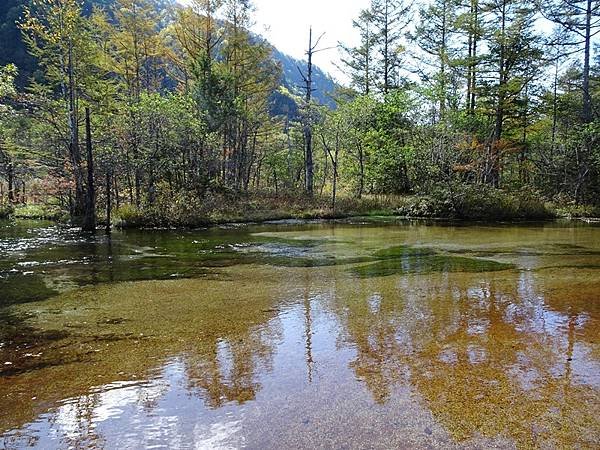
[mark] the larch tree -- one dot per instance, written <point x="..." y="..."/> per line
<point x="511" y="64"/>
<point x="390" y="19"/>
<point x="359" y="60"/>
<point x="435" y="35"/>
<point x="61" y="39"/>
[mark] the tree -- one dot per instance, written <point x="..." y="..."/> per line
<point x="7" y="89"/>
<point x="360" y="60"/>
<point x="469" y="22"/>
<point x="513" y="57"/>
<point x="580" y="19"/>
<point x="313" y="47"/>
<point x="434" y="35"/>
<point x="389" y="18"/>
<point x="61" y="39"/>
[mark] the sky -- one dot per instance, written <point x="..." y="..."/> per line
<point x="285" y="24"/>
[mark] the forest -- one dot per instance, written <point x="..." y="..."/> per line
<point x="150" y="113"/>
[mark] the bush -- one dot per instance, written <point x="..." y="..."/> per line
<point x="6" y="210"/>
<point x="40" y="212"/>
<point x="129" y="216"/>
<point x="476" y="202"/>
<point x="573" y="211"/>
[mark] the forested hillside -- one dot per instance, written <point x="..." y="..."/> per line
<point x="14" y="51"/>
<point x="167" y="115"/>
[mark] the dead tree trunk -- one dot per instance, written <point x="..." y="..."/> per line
<point x="108" y="201"/>
<point x="89" y="218"/>
<point x="308" y="152"/>
<point x="11" y="183"/>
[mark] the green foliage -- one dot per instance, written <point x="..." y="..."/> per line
<point x="574" y="211"/>
<point x="462" y="201"/>
<point x="40" y="212"/>
<point x="6" y="210"/>
<point x="129" y="216"/>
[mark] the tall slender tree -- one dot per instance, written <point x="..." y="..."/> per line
<point x="359" y="61"/>
<point x="390" y="19"/>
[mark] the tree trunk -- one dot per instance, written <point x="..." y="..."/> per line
<point x="89" y="218"/>
<point x="11" y="183"/>
<point x="386" y="52"/>
<point x="74" y="152"/>
<point x="587" y="97"/>
<point x="308" y="137"/>
<point x="108" y="201"/>
<point x="361" y="163"/>
<point x="494" y="160"/>
<point x="475" y="13"/>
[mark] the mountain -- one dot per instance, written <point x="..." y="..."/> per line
<point x="292" y="80"/>
<point x="13" y="50"/>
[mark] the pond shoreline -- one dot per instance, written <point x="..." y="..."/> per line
<point x="257" y="209"/>
<point x="377" y="217"/>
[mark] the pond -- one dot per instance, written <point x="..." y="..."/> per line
<point x="378" y="333"/>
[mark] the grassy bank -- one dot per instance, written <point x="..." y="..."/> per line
<point x="249" y="208"/>
<point x="40" y="212"/>
<point x="469" y="202"/>
<point x="33" y="212"/>
<point x="458" y="203"/>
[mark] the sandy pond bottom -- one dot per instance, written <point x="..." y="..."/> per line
<point x="321" y="336"/>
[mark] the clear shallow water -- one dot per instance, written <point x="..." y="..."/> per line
<point x="301" y="335"/>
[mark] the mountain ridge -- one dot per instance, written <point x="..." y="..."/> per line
<point x="14" y="51"/>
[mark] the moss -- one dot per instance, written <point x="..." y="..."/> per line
<point x="23" y="288"/>
<point x="402" y="252"/>
<point x="310" y="261"/>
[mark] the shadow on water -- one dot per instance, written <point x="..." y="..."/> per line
<point x="22" y="346"/>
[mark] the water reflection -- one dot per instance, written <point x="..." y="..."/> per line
<point x="271" y="356"/>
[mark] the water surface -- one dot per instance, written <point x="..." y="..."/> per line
<point x="301" y="335"/>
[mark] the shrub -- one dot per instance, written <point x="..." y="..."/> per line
<point x="6" y="210"/>
<point x="40" y="212"/>
<point x="573" y="211"/>
<point x="476" y="202"/>
<point x="128" y="216"/>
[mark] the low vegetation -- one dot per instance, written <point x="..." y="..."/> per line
<point x="477" y="203"/>
<point x="6" y="210"/>
<point x="40" y="212"/>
